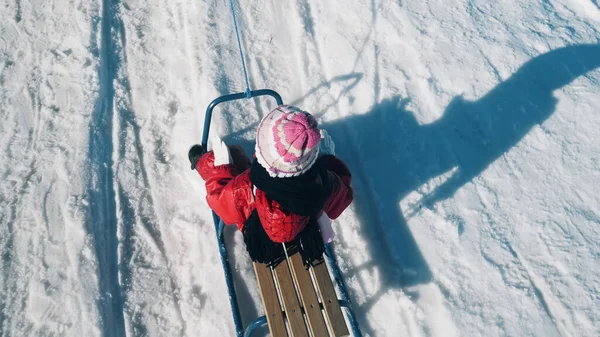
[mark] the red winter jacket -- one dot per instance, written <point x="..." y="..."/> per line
<point x="229" y="194"/>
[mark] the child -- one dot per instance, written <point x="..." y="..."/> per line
<point x="294" y="186"/>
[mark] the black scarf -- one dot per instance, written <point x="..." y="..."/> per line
<point x="302" y="195"/>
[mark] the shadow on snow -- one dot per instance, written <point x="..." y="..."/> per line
<point x="391" y="155"/>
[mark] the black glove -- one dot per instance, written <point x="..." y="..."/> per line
<point x="194" y="155"/>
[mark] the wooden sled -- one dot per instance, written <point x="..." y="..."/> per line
<point x="304" y="299"/>
<point x="297" y="302"/>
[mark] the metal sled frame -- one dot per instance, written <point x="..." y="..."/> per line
<point x="219" y="226"/>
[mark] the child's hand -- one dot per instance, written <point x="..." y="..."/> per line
<point x="327" y="233"/>
<point x="327" y="146"/>
<point x="194" y="154"/>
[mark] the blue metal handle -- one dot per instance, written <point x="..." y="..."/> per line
<point x="233" y="97"/>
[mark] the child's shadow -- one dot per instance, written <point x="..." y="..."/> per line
<point x="391" y="155"/>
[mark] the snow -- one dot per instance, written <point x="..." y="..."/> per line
<point x="471" y="128"/>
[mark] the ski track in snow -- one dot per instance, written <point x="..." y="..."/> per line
<point x="102" y="222"/>
<point x="483" y="113"/>
<point x="133" y="216"/>
<point x="504" y="242"/>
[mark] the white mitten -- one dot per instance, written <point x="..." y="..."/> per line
<point x="327" y="233"/>
<point x="326" y="146"/>
<point x="221" y="151"/>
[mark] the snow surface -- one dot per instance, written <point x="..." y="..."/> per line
<point x="471" y="127"/>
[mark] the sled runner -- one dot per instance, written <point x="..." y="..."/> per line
<point x="297" y="301"/>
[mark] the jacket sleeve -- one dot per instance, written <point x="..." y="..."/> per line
<point x="221" y="184"/>
<point x="342" y="193"/>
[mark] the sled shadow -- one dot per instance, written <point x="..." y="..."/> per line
<point x="391" y="154"/>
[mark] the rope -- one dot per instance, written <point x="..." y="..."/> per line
<point x="248" y="95"/>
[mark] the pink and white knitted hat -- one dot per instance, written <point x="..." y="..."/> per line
<point x="287" y="142"/>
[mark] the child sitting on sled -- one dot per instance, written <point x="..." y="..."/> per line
<point x="287" y="194"/>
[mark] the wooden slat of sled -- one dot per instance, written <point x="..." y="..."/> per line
<point x="291" y="306"/>
<point x="268" y="293"/>
<point x="310" y="302"/>
<point x="331" y="306"/>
